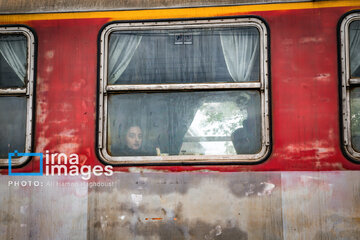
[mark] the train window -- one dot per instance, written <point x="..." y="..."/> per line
<point x="16" y="92"/>
<point x="193" y="91"/>
<point x="350" y="64"/>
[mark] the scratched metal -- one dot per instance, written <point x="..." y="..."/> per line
<point x="45" y="212"/>
<point x="245" y="205"/>
<point x="31" y="6"/>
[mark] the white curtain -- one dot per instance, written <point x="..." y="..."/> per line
<point x="121" y="50"/>
<point x="13" y="49"/>
<point x="241" y="51"/>
<point x="354" y="46"/>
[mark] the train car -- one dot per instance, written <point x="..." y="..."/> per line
<point x="173" y="119"/>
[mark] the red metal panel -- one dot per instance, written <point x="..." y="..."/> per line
<point x="304" y="85"/>
<point x="305" y="107"/>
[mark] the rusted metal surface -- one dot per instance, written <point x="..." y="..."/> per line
<point x="188" y="206"/>
<point x="30" y="6"/>
<point x="42" y="212"/>
<point x="321" y="205"/>
<point x="276" y="205"/>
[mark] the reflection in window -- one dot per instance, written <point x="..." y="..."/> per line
<point x="210" y="132"/>
<point x="196" y="123"/>
<point x="223" y="128"/>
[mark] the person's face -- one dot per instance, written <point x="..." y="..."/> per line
<point x="134" y="138"/>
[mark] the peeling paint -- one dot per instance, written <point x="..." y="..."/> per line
<point x="49" y="69"/>
<point x="311" y="40"/>
<point x="323" y="77"/>
<point x="320" y="149"/>
<point x="136" y="198"/>
<point x="50" y="54"/>
<point x="254" y="205"/>
<point x="67" y="148"/>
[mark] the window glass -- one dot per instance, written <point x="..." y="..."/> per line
<point x="184" y="56"/>
<point x="13" y="124"/>
<point x="16" y="92"/>
<point x="153" y="100"/>
<point x="184" y="123"/>
<point x="13" y="60"/>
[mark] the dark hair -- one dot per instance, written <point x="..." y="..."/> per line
<point x="124" y="128"/>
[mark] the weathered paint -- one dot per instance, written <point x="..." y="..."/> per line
<point x="27" y="6"/>
<point x="192" y="202"/>
<point x="205" y="12"/>
<point x="304" y="83"/>
<point x="257" y="205"/>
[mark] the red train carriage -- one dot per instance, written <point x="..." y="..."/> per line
<point x="178" y="120"/>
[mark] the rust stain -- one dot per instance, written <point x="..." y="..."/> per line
<point x="154" y="219"/>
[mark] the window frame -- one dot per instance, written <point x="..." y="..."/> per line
<point x="27" y="91"/>
<point x="347" y="83"/>
<point x="262" y="86"/>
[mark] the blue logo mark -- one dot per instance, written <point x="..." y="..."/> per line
<point x="17" y="154"/>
